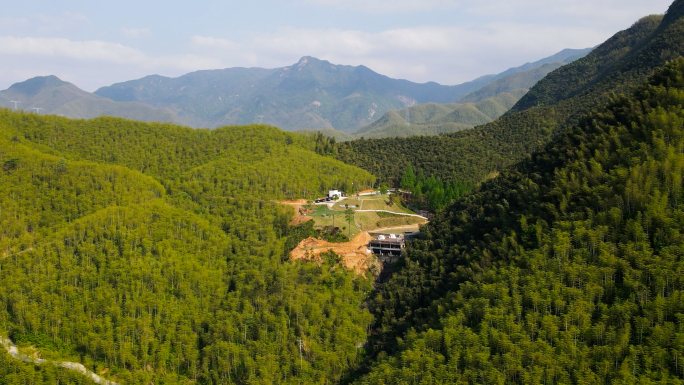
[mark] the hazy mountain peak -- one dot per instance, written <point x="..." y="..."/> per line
<point x="312" y="63"/>
<point x="33" y="86"/>
<point x="303" y="62"/>
<point x="51" y="95"/>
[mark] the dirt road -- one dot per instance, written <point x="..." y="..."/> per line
<point x="13" y="351"/>
<point x="297" y="205"/>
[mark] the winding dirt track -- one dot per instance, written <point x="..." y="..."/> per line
<point x="391" y="212"/>
<point x="13" y="351"/>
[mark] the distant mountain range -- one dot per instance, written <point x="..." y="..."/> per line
<point x="50" y="95"/>
<point x="311" y="94"/>
<point x="480" y="107"/>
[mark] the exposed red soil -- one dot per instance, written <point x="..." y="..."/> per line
<point x="354" y="253"/>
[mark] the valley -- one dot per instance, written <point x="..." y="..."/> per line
<point x="331" y="225"/>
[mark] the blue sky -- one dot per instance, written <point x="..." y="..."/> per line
<point x="98" y="43"/>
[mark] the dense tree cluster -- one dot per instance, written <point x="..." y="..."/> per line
<point x="431" y="193"/>
<point x="567" y="269"/>
<point x="152" y="252"/>
<point x="16" y="372"/>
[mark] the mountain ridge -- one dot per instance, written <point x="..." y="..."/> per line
<point x="310" y="94"/>
<point x="492" y="97"/>
<point x="487" y="150"/>
<point x="51" y="95"/>
<point x="435" y="119"/>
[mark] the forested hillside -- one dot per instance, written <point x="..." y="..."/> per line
<point x="624" y="62"/>
<point x="17" y="372"/>
<point x="512" y="83"/>
<point x="155" y="253"/>
<point x="166" y="152"/>
<point x="328" y="132"/>
<point x="434" y="119"/>
<point x="566" y="269"/>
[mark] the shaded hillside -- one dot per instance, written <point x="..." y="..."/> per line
<point x="311" y="94"/>
<point x="435" y="119"/>
<point x="56" y="97"/>
<point x="564" y="56"/>
<point x="511" y="83"/>
<point x="565" y="269"/>
<point x="472" y="155"/>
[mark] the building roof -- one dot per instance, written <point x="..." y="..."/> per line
<point x="388" y="240"/>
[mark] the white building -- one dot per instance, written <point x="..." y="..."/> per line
<point x="332" y="193"/>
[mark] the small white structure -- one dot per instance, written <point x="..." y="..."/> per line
<point x="332" y="193"/>
<point x="393" y="236"/>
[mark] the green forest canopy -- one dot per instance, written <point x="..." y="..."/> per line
<point x="566" y="269"/>
<point x="153" y="252"/>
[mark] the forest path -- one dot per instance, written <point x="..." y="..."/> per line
<point x="13" y="351"/>
<point x="391" y="212"/>
<point x="298" y="217"/>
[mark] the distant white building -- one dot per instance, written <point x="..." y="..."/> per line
<point x="332" y="193"/>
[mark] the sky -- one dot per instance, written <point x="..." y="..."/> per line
<point x="98" y="43"/>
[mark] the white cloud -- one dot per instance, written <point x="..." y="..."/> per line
<point x="81" y="50"/>
<point x="90" y="64"/>
<point x="136" y="32"/>
<point x="95" y="50"/>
